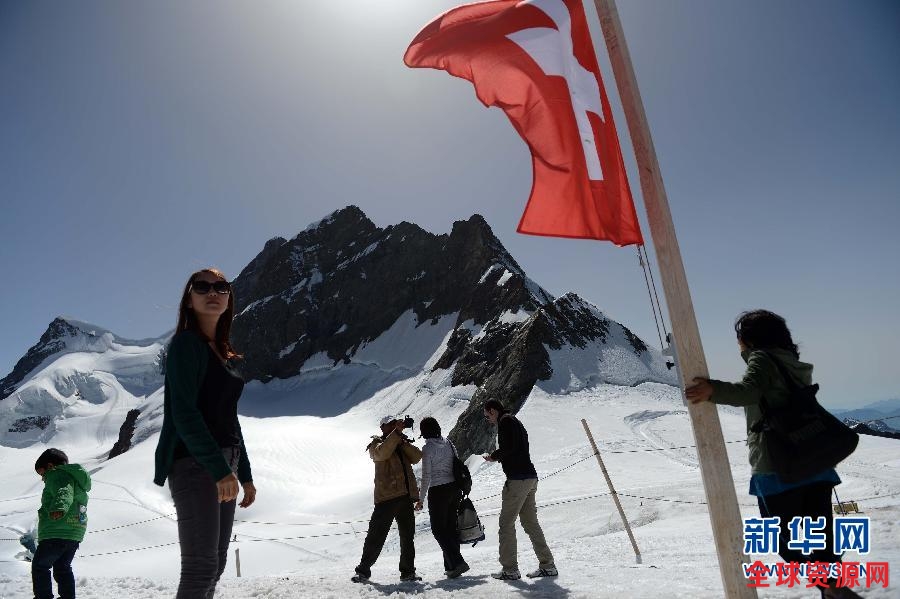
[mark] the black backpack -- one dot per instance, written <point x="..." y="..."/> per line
<point x="802" y="438"/>
<point x="461" y="473"/>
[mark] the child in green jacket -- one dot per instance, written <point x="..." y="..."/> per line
<point x="62" y="520"/>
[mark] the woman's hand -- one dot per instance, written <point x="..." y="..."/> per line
<point x="228" y="488"/>
<point x="249" y="494"/>
<point x="487" y="458"/>
<point x="418" y="506"/>
<point x="700" y="391"/>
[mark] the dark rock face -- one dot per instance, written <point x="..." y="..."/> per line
<point x="510" y="358"/>
<point x="345" y="281"/>
<point x="126" y="432"/>
<point x="864" y="429"/>
<point x="23" y="425"/>
<point x="52" y="341"/>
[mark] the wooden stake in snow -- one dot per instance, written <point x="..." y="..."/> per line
<point x="587" y="430"/>
<point x="237" y="561"/>
<point x="715" y="470"/>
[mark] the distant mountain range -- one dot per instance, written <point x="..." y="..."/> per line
<point x="343" y="311"/>
<point x="881" y="418"/>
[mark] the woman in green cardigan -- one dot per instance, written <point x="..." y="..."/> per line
<point x="762" y="337"/>
<point x="201" y="449"/>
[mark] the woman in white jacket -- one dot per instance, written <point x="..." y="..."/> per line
<point x="443" y="494"/>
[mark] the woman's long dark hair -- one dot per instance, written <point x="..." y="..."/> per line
<point x="761" y="329"/>
<point x="187" y="320"/>
<point x="430" y="428"/>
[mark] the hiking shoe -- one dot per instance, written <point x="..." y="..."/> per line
<point x="458" y="570"/>
<point x="359" y="578"/>
<point x="507" y="575"/>
<point x="543" y="572"/>
<point x="410" y="577"/>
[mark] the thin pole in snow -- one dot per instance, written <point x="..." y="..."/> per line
<point x="237" y="561"/>
<point x="612" y="490"/>
<point x="724" y="513"/>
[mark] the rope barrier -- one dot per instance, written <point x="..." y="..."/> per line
<point x="332" y="534"/>
<point x="301" y="523"/>
<point x="621" y="451"/>
<point x="20" y="498"/>
<point x="128" y="525"/>
<point x="130" y="550"/>
<point x="18" y="512"/>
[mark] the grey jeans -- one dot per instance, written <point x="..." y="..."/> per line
<point x="204" y="525"/>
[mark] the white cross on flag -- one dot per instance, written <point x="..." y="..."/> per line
<point x="535" y="60"/>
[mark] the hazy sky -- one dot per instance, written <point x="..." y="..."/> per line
<point x="142" y="140"/>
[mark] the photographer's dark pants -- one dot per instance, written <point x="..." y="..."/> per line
<point x="204" y="525"/>
<point x="57" y="554"/>
<point x="443" y="504"/>
<point x="401" y="510"/>
<point x="809" y="500"/>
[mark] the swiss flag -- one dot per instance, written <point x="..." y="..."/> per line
<point x="535" y="60"/>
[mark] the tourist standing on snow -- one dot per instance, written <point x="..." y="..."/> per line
<point x="762" y="337"/>
<point x="518" y="499"/>
<point x="443" y="494"/>
<point x="201" y="446"/>
<point x="62" y="520"/>
<point x="395" y="493"/>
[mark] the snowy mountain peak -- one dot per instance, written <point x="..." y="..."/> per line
<point x="343" y="282"/>
<point x="62" y="334"/>
<point x="79" y="379"/>
<point x="347" y="314"/>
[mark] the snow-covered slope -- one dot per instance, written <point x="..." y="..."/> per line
<point x="305" y="533"/>
<point x="83" y="389"/>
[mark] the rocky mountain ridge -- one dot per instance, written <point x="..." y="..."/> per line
<point x="346" y="293"/>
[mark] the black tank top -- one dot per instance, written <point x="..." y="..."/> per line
<point x="217" y="401"/>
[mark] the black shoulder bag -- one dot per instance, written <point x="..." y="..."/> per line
<point x="461" y="473"/>
<point x="802" y="438"/>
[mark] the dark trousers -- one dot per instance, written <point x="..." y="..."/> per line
<point x="443" y="504"/>
<point x="401" y="510"/>
<point x="809" y="500"/>
<point x="57" y="554"/>
<point x="204" y="526"/>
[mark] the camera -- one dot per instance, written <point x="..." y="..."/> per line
<point x="408" y="421"/>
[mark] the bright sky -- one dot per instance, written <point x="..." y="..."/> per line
<point x="143" y="140"/>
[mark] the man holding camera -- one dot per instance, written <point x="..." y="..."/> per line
<point x="395" y="493"/>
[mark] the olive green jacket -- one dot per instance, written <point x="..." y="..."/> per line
<point x="762" y="378"/>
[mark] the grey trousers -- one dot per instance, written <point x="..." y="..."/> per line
<point x="518" y="501"/>
<point x="204" y="525"/>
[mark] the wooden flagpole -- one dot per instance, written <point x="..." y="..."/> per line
<point x="715" y="470"/>
<point x="612" y="490"/>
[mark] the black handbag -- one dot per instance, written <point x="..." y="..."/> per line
<point x="461" y="473"/>
<point x="802" y="438"/>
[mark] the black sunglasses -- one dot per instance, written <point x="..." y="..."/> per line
<point x="204" y="287"/>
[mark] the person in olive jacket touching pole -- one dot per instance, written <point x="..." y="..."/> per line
<point x="763" y="338"/>
<point x="201" y="449"/>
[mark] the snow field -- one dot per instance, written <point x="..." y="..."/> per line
<point x="312" y="472"/>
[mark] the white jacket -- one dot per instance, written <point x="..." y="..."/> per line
<point x="437" y="464"/>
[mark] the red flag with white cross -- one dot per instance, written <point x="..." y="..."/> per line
<point x="535" y="60"/>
